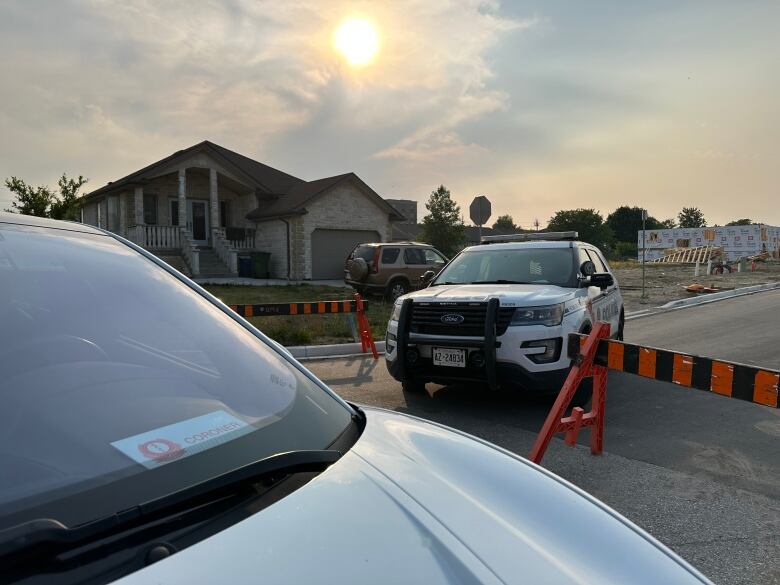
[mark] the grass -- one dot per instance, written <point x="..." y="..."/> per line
<point x="304" y="329"/>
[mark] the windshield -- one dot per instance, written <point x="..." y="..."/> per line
<point x="121" y="384"/>
<point x="522" y="266"/>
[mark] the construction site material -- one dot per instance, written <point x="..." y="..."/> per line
<point x="699" y="254"/>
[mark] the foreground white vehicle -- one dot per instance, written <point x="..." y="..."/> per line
<point x="153" y="436"/>
<point x="500" y="313"/>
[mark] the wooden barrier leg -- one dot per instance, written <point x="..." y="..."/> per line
<point x="598" y="407"/>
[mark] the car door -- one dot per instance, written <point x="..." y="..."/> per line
<point x="415" y="266"/>
<point x="607" y="305"/>
<point x="434" y="260"/>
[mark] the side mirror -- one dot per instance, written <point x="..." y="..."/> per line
<point x="601" y="280"/>
<point x="427" y="277"/>
<point x="588" y="268"/>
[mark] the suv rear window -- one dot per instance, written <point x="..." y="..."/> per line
<point x="390" y="255"/>
<point x="364" y="252"/>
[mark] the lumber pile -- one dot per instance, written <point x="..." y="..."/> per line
<point x="690" y="255"/>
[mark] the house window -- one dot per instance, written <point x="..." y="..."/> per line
<point x="150" y="209"/>
<point x="224" y="210"/>
<point x="174" y="212"/>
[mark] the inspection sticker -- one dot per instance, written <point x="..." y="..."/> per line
<point x="182" y="439"/>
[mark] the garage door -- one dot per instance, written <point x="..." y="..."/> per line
<point x="329" y="249"/>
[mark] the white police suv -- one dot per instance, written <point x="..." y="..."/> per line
<point x="500" y="313"/>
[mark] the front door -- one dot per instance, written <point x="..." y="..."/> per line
<point x="198" y="221"/>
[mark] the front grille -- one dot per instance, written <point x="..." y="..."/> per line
<point x="426" y="318"/>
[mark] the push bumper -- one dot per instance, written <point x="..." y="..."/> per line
<point x="490" y="372"/>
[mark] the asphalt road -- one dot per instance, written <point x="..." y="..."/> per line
<point x="700" y="472"/>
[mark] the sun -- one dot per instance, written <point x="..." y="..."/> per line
<point x="357" y="40"/>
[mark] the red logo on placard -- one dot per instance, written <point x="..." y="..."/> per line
<point x="160" y="449"/>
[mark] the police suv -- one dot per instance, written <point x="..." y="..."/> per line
<point x="500" y="313"/>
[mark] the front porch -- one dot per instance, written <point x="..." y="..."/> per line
<point x="194" y="213"/>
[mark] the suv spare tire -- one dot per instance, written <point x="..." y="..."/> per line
<point x="358" y="269"/>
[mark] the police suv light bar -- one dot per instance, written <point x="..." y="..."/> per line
<point x="536" y="236"/>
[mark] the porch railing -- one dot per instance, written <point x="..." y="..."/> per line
<point x="224" y="250"/>
<point x="240" y="238"/>
<point x="190" y="252"/>
<point x="158" y="236"/>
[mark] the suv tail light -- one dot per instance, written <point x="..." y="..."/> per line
<point x="375" y="261"/>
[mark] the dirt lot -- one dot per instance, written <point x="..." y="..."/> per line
<point x="665" y="282"/>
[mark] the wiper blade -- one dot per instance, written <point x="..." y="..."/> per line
<point x="500" y="281"/>
<point x="438" y="283"/>
<point x="56" y="537"/>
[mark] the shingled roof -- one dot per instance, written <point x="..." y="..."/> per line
<point x="281" y="194"/>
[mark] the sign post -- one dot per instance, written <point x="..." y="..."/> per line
<point x="479" y="211"/>
<point x="644" y="218"/>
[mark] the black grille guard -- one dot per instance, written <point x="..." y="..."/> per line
<point x="488" y="343"/>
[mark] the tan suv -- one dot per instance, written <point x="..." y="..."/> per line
<point x="392" y="269"/>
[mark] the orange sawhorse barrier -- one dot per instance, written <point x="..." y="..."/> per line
<point x="364" y="328"/>
<point x="582" y="367"/>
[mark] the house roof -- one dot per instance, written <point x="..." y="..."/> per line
<point x="294" y="200"/>
<point x="264" y="178"/>
<point x="280" y="194"/>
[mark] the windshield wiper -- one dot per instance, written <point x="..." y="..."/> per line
<point x="500" y="281"/>
<point x="55" y="537"/>
<point x="438" y="283"/>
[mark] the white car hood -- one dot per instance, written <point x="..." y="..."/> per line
<point x="413" y="502"/>
<point x="508" y="294"/>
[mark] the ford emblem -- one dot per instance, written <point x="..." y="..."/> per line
<point x="452" y="319"/>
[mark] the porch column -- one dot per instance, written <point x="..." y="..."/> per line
<point x="138" y="199"/>
<point x="122" y="214"/>
<point x="182" y="198"/>
<point x="213" y="199"/>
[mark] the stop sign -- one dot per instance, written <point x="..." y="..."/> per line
<point x="479" y="210"/>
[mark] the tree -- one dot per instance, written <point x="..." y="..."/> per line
<point x="41" y="201"/>
<point x="29" y="200"/>
<point x="691" y="217"/>
<point x="587" y="222"/>
<point x="626" y="222"/>
<point x="667" y="224"/>
<point x="505" y="223"/>
<point x="443" y="227"/>
<point x="744" y="221"/>
<point x="66" y="207"/>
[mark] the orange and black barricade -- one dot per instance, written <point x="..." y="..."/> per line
<point x="356" y="305"/>
<point x="594" y="354"/>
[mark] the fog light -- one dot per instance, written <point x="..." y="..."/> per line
<point x="412" y="355"/>
<point x="477" y="359"/>
<point x="551" y="350"/>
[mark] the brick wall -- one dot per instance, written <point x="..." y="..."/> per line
<point x="271" y="236"/>
<point x="344" y="207"/>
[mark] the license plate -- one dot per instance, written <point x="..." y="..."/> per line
<point x="445" y="356"/>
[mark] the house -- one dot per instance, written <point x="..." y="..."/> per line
<point x="736" y="241"/>
<point x="209" y="205"/>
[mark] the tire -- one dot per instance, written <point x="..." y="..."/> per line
<point x="396" y="288"/>
<point x="621" y="326"/>
<point x="413" y="386"/>
<point x="358" y="269"/>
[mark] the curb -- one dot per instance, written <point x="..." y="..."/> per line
<point x="726" y="294"/>
<point x="334" y="350"/>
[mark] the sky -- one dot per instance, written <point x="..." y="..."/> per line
<point x="539" y="106"/>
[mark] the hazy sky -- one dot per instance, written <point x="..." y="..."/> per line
<point x="537" y="105"/>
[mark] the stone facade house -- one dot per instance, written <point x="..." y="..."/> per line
<point x="211" y="205"/>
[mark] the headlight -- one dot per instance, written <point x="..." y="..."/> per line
<point x="549" y="315"/>
<point x="396" y="311"/>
